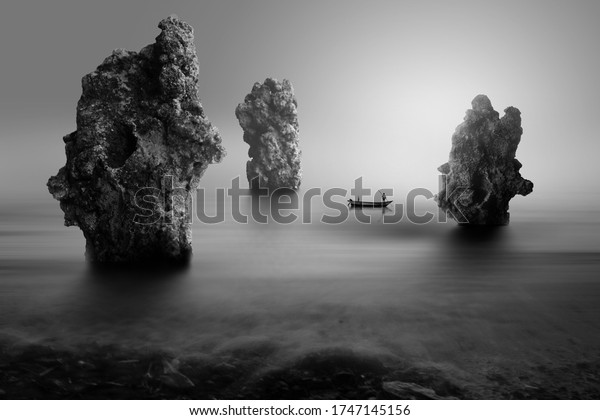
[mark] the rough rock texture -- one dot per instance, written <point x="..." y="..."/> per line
<point x="482" y="173"/>
<point x="140" y="126"/>
<point x="269" y="119"/>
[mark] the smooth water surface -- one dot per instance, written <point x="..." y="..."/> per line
<point x="440" y="294"/>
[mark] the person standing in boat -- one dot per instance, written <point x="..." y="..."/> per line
<point x="383" y="197"/>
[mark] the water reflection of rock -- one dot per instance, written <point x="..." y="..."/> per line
<point x="133" y="294"/>
<point x="474" y="251"/>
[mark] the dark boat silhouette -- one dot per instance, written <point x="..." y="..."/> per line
<point x="359" y="203"/>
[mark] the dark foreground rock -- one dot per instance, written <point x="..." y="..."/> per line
<point x="482" y="175"/>
<point x="140" y="130"/>
<point x="269" y="119"/>
<point x="94" y="371"/>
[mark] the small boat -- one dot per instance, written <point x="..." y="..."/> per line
<point x="359" y="203"/>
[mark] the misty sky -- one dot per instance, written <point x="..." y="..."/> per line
<point x="381" y="85"/>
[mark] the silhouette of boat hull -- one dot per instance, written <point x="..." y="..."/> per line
<point x="358" y="203"/>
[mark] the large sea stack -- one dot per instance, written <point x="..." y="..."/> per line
<point x="269" y="119"/>
<point x="142" y="142"/>
<point x="482" y="174"/>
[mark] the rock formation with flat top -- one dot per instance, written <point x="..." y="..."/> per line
<point x="482" y="174"/>
<point x="269" y="119"/>
<point x="142" y="143"/>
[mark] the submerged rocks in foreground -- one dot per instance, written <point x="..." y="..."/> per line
<point x="102" y="371"/>
<point x="269" y="119"/>
<point x="482" y="175"/>
<point x="140" y="130"/>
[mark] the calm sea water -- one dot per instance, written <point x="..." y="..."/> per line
<point x="436" y="293"/>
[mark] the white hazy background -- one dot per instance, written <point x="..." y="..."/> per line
<point x="381" y="85"/>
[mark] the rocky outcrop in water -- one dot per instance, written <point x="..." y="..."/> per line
<point x="269" y="119"/>
<point x="142" y="142"/>
<point x="482" y="174"/>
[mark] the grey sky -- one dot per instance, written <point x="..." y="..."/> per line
<point x="381" y="85"/>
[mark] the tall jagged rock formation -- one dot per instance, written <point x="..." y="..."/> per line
<point x="142" y="139"/>
<point x="269" y="119"/>
<point x="482" y="174"/>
